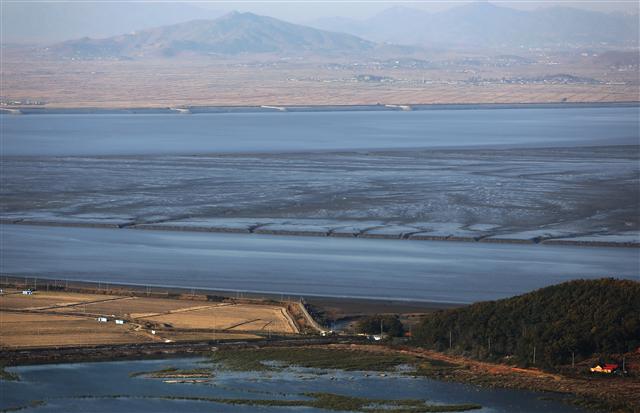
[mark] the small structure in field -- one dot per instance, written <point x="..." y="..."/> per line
<point x="119" y="321"/>
<point x="102" y="319"/>
<point x="27" y="292"/>
<point x="605" y="368"/>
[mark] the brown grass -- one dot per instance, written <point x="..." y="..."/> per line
<point x="133" y="306"/>
<point x="51" y="319"/>
<point x="237" y="317"/>
<point x="46" y="299"/>
<point x="20" y="330"/>
<point x="202" y="82"/>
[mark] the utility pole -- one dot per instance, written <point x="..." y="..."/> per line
<point x="450" y="339"/>
<point x="534" y="355"/>
<point x="381" y="330"/>
<point x="489" y="345"/>
<point x="573" y="359"/>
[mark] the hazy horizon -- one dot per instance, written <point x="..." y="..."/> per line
<point x="42" y="21"/>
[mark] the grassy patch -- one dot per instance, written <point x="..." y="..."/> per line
<point x="6" y="375"/>
<point x="32" y="404"/>
<point x="172" y="372"/>
<point x="320" y="358"/>
<point x="329" y="401"/>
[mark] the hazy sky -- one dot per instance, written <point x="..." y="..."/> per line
<point x="301" y="10"/>
<point x="45" y="21"/>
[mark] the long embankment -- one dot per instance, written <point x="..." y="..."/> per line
<point x="386" y="232"/>
<point x="157" y="350"/>
<point x="194" y="109"/>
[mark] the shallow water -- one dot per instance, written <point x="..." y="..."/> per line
<point x="60" y="385"/>
<point x="444" y="271"/>
<point x="137" y="134"/>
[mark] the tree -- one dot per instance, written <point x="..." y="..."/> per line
<point x="391" y="325"/>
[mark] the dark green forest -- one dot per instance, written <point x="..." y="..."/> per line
<point x="390" y="324"/>
<point x="583" y="317"/>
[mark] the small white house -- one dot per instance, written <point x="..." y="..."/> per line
<point x="119" y="321"/>
<point x="102" y="319"/>
<point x="27" y="292"/>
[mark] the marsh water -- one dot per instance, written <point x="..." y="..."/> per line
<point x="109" y="387"/>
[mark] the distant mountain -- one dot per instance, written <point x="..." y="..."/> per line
<point x="232" y="34"/>
<point x="482" y="24"/>
<point x="47" y="22"/>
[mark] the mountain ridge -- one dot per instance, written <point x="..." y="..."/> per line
<point x="484" y="24"/>
<point x="232" y="34"/>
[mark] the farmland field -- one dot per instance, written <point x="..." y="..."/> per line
<point x="56" y="319"/>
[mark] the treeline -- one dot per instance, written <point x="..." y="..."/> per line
<point x="547" y="327"/>
<point x="380" y="324"/>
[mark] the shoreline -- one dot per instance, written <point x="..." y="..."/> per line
<point x="263" y="229"/>
<point x="590" y="392"/>
<point x="188" y="109"/>
<point x="348" y="304"/>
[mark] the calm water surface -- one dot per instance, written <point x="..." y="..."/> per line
<point x="138" y="134"/>
<point x="443" y="271"/>
<point x="61" y="386"/>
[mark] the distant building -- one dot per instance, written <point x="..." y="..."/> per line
<point x="605" y="368"/>
<point x="27" y="292"/>
<point x="102" y="319"/>
<point x="119" y="321"/>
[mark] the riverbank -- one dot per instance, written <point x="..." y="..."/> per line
<point x="597" y="393"/>
<point x="189" y="109"/>
<point x="248" y="351"/>
<point x="612" y="394"/>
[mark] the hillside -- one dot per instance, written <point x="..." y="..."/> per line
<point x="486" y="25"/>
<point x="233" y="34"/>
<point x="594" y="317"/>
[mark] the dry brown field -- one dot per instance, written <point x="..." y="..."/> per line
<point x="208" y="82"/>
<point x="57" y="319"/>
<point x="134" y="307"/>
<point x="25" y="330"/>
<point x="42" y="300"/>
<point x="235" y="317"/>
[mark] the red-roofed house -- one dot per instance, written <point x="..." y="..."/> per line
<point x="605" y="368"/>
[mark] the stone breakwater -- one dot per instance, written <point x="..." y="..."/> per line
<point x="362" y="229"/>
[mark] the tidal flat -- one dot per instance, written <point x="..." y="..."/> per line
<point x="503" y="175"/>
<point x="576" y="194"/>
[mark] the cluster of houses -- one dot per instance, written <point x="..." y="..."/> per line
<point x="106" y="320"/>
